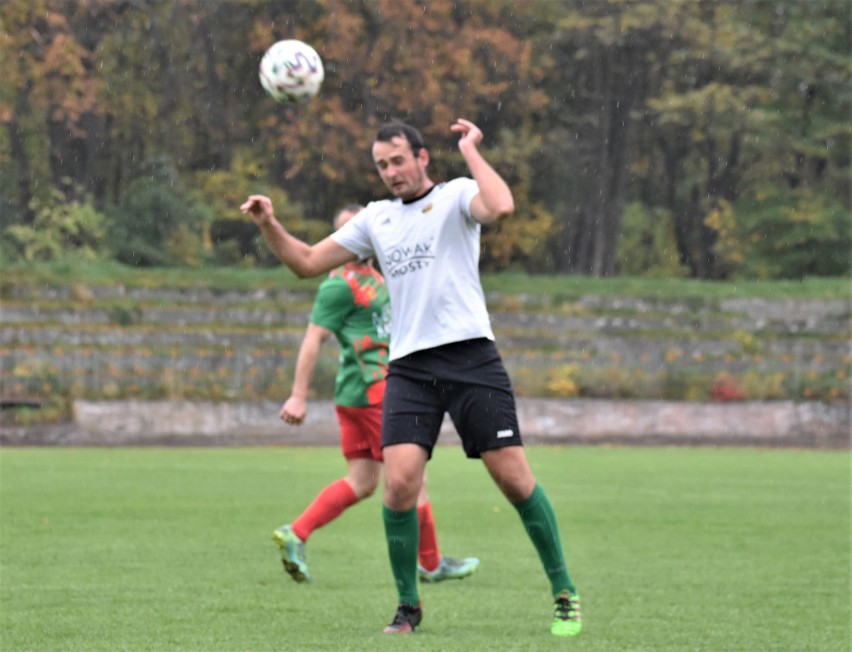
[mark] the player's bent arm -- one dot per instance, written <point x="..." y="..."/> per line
<point x="495" y="199"/>
<point x="305" y="260"/>
<point x="295" y="408"/>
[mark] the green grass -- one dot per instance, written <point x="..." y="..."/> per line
<point x="672" y="549"/>
<point x="110" y="273"/>
<point x="555" y="289"/>
<point x="560" y="289"/>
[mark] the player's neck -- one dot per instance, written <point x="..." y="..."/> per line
<point x="425" y="191"/>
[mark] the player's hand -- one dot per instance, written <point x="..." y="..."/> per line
<point x="470" y="133"/>
<point x="293" y="411"/>
<point x="259" y="208"/>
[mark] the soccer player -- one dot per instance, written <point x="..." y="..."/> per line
<point x="353" y="305"/>
<point x="442" y="356"/>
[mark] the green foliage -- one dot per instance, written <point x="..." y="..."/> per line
<point x="125" y="315"/>
<point x="747" y="96"/>
<point x="233" y="238"/>
<point x="728" y="248"/>
<point x="184" y="246"/>
<point x="522" y="241"/>
<point x="61" y="227"/>
<point x="36" y="378"/>
<point x="563" y="381"/>
<point x="156" y="222"/>
<point x="223" y="190"/>
<point x="647" y="247"/>
<point x="793" y="233"/>
<point x="228" y="252"/>
<point x="519" y="242"/>
<point x="589" y="109"/>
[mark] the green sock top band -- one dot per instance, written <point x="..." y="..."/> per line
<point x="531" y="502"/>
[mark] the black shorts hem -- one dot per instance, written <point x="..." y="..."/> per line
<point x="428" y="447"/>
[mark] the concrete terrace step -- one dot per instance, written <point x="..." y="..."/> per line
<point x="207" y="343"/>
<point x="153" y="315"/>
<point x="754" y="309"/>
<point x="541" y="325"/>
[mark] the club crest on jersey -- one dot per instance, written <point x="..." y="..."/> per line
<point x="426" y="208"/>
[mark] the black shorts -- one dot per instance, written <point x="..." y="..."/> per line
<point x="466" y="379"/>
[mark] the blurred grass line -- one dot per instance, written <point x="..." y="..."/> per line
<point x="555" y="288"/>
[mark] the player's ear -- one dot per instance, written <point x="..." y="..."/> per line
<point x="423" y="156"/>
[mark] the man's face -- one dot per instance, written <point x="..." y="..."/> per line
<point x="403" y="173"/>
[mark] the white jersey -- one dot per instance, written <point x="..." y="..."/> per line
<point x="429" y="254"/>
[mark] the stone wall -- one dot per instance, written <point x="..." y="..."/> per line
<point x="543" y="421"/>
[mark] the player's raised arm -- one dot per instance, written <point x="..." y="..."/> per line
<point x="494" y="200"/>
<point x="304" y="259"/>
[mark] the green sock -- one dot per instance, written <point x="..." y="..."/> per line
<point x="540" y="523"/>
<point x="402" y="531"/>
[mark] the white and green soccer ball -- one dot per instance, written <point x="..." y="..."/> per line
<point x="291" y="71"/>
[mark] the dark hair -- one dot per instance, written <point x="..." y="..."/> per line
<point x="349" y="208"/>
<point x="391" y="130"/>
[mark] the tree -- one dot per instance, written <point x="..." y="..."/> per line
<point x="600" y="60"/>
<point x="46" y="93"/>
<point x="688" y="111"/>
<point x="425" y="63"/>
<point x="723" y="119"/>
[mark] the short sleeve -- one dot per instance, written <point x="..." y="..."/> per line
<point x="355" y="234"/>
<point x="469" y="190"/>
<point x="332" y="303"/>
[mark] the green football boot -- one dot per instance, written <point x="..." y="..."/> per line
<point x="566" y="615"/>
<point x="292" y="550"/>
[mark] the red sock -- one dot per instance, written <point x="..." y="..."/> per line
<point x="330" y="503"/>
<point x="430" y="556"/>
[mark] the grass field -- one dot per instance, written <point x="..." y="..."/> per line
<point x="672" y="549"/>
<point x="110" y="273"/>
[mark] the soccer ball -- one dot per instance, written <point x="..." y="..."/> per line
<point x="291" y="71"/>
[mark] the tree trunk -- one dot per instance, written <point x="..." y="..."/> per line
<point x="18" y="152"/>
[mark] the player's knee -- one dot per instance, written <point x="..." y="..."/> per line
<point x="363" y="483"/>
<point x="400" y="492"/>
<point x="366" y="488"/>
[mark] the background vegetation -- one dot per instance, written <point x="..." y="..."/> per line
<point x="662" y="138"/>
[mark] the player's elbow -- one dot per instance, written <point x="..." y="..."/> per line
<point x="498" y="211"/>
<point x="306" y="271"/>
<point x="306" y="266"/>
<point x="506" y="208"/>
<point x="309" y="267"/>
<point x="296" y="265"/>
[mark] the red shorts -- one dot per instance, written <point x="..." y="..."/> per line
<point x="361" y="427"/>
